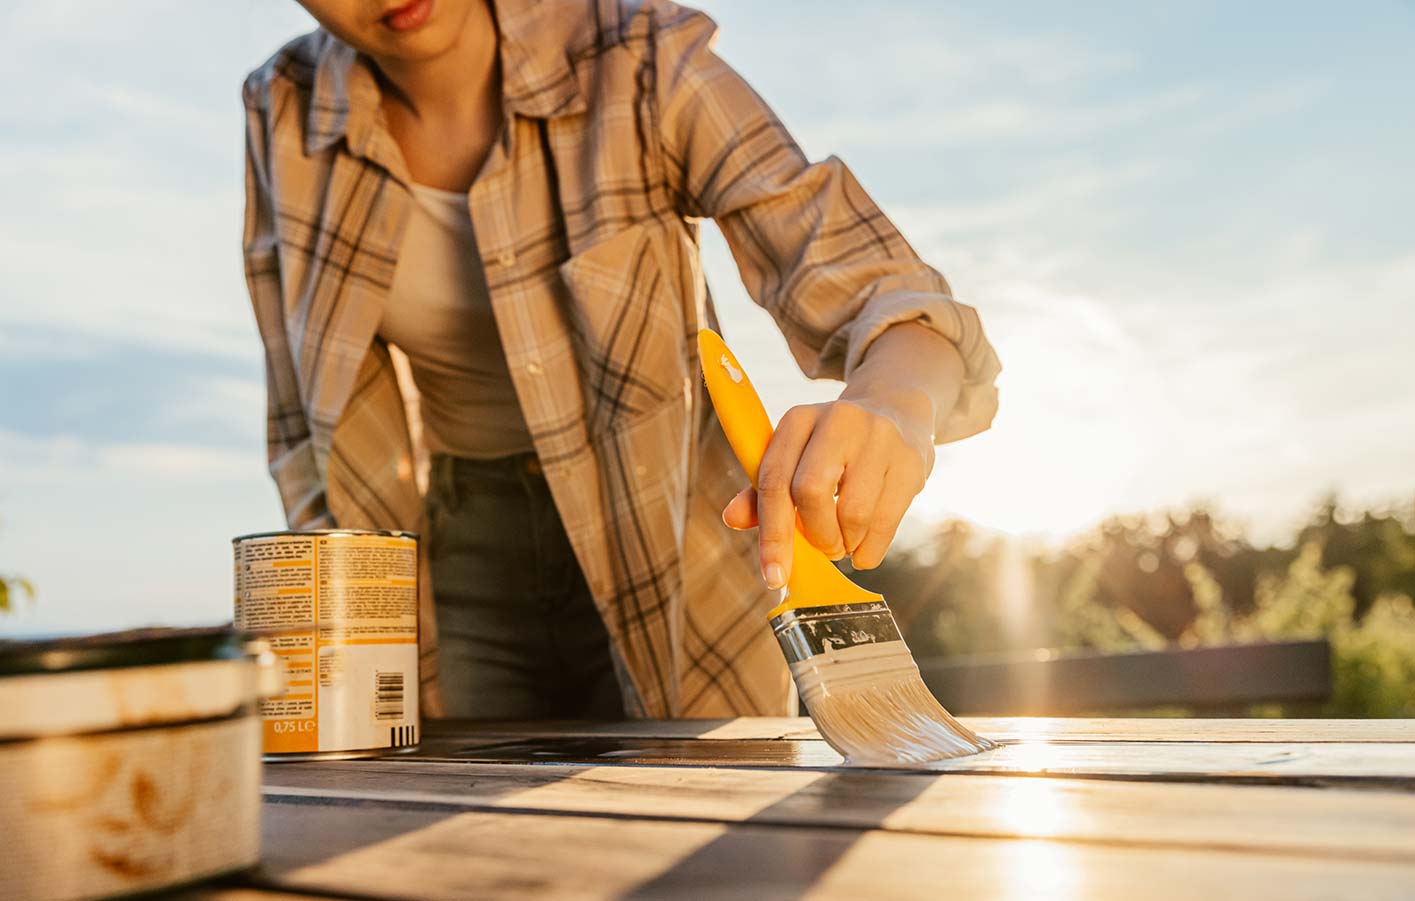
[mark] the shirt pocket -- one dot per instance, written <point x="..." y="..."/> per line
<point x="630" y="326"/>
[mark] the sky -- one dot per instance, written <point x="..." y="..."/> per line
<point x="1187" y="227"/>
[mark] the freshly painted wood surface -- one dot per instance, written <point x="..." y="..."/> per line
<point x="394" y="851"/>
<point x="1367" y="824"/>
<point x="1003" y="728"/>
<point x="1308" y="731"/>
<point x="1067" y="808"/>
<point x="1273" y="762"/>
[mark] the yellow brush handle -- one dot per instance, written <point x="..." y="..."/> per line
<point x="814" y="580"/>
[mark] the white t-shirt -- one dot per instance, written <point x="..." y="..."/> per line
<point x="439" y="314"/>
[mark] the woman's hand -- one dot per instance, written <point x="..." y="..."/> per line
<point x="852" y="467"/>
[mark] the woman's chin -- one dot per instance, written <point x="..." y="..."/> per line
<point x="413" y="47"/>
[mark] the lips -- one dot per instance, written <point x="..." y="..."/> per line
<point x="408" y="16"/>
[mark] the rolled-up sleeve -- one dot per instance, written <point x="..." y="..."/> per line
<point x="813" y="249"/>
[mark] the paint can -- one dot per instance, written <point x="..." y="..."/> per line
<point x="129" y="762"/>
<point x="340" y="607"/>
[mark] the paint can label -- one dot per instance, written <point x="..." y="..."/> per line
<point x="341" y="609"/>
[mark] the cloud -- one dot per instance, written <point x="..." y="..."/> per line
<point x="177" y="461"/>
<point x="1258" y="106"/>
<point x="136" y="265"/>
<point x="44" y="347"/>
<point x="940" y="123"/>
<point x="30" y="460"/>
<point x="855" y="53"/>
<point x="149" y="111"/>
<point x="122" y="183"/>
<point x="216" y="401"/>
<point x="121" y="535"/>
<point x="1060" y="197"/>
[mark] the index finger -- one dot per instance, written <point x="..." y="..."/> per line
<point x="776" y="512"/>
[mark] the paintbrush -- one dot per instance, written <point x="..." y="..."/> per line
<point x="850" y="663"/>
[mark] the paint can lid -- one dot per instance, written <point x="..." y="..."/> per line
<point x="112" y="650"/>
<point x="352" y="533"/>
<point x="125" y="680"/>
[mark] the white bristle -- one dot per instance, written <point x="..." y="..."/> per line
<point x="871" y="705"/>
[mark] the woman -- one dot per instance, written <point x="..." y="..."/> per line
<point x="500" y="198"/>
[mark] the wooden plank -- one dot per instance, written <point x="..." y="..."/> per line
<point x="744" y="728"/>
<point x="1255" y="762"/>
<point x="1059" y="683"/>
<point x="387" y="851"/>
<point x="1375" y="762"/>
<point x="650" y="751"/>
<point x="1169" y="729"/>
<point x="1002" y="728"/>
<point x="1332" y="822"/>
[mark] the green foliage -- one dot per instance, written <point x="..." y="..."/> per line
<point x="10" y="586"/>
<point x="1144" y="582"/>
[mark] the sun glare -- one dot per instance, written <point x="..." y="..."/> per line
<point x="1066" y="449"/>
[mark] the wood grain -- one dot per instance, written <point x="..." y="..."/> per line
<point x="1003" y="728"/>
<point x="1292" y="820"/>
<point x="1391" y="764"/>
<point x="372" y="850"/>
<point x="762" y="809"/>
<point x="1307" y="731"/>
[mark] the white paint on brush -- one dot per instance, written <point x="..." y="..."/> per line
<point x="733" y="372"/>
<point x="869" y="703"/>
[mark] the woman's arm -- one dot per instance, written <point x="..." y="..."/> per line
<point x="290" y="450"/>
<point x="852" y="298"/>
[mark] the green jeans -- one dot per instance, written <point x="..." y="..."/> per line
<point x="519" y="637"/>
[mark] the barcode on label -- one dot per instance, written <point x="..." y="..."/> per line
<point x="388" y="696"/>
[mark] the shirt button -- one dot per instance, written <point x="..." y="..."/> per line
<point x="506" y="258"/>
<point x="533" y="368"/>
<point x="641" y="470"/>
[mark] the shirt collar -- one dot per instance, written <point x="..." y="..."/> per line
<point x="537" y="80"/>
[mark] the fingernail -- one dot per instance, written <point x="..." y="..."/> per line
<point x="775" y="576"/>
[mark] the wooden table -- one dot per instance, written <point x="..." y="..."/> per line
<point x="762" y="808"/>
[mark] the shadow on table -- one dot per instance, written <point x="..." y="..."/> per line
<point x="796" y="855"/>
<point x="440" y="736"/>
<point x="298" y="831"/>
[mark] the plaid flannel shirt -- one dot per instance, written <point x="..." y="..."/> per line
<point x="622" y="128"/>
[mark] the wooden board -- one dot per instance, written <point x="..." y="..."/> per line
<point x="1208" y="731"/>
<point x="763" y="809"/>
<point x="394" y="851"/>
<point x="1369" y="762"/>
<point x="1324" y="823"/>
<point x="1002" y="728"/>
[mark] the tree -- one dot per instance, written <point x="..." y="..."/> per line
<point x="10" y="587"/>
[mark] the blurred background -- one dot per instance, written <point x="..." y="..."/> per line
<point x="1187" y="227"/>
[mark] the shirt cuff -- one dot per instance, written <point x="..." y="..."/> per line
<point x="959" y="323"/>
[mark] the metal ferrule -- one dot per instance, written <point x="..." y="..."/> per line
<point x="809" y="631"/>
